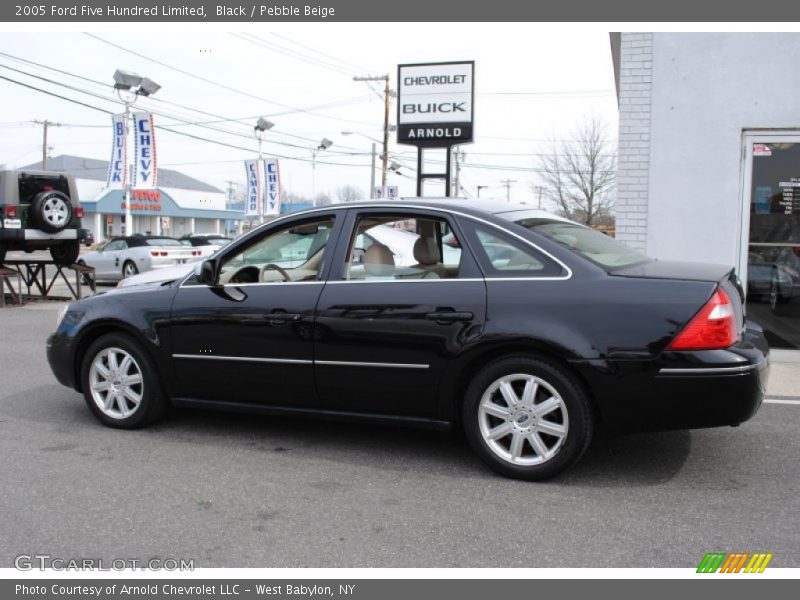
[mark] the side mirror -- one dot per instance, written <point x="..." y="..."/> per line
<point x="206" y="272"/>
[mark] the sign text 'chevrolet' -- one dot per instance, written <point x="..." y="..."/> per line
<point x="435" y="103"/>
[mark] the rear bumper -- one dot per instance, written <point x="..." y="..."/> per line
<point x="683" y="390"/>
<point x="27" y="235"/>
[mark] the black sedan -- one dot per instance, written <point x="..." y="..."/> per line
<point x="527" y="330"/>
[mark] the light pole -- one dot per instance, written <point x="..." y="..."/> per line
<point x="374" y="155"/>
<point x="129" y="87"/>
<point x="481" y="187"/>
<point x="260" y="130"/>
<point x="324" y="144"/>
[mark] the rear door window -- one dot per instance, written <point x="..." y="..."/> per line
<point x="502" y="255"/>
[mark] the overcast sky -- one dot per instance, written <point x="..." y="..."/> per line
<point x="532" y="82"/>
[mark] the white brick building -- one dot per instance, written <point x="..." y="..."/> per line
<point x="709" y="155"/>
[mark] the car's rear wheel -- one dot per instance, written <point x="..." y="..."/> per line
<point x="129" y="269"/>
<point x="52" y="210"/>
<point x="527" y="417"/>
<point x="120" y="383"/>
<point x="66" y="253"/>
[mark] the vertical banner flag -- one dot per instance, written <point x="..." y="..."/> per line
<point x="272" y="188"/>
<point x="145" y="166"/>
<point x="253" y="205"/>
<point x="117" y="177"/>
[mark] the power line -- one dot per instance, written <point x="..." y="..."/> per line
<point x="167" y="115"/>
<point x="221" y="118"/>
<point x="344" y="62"/>
<point x="217" y="84"/>
<point x="181" y="133"/>
<point x="262" y="43"/>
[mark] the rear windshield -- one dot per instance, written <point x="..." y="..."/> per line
<point x="163" y="242"/>
<point x="589" y="243"/>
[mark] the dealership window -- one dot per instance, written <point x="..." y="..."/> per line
<point x="402" y="247"/>
<point x="773" y="236"/>
<point x="290" y="254"/>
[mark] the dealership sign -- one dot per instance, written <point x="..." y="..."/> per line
<point x="253" y="206"/>
<point x="116" y="166"/>
<point x="145" y="170"/>
<point x="272" y="187"/>
<point x="435" y="103"/>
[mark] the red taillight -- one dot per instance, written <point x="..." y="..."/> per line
<point x="79" y="212"/>
<point x="714" y="327"/>
<point x="11" y="212"/>
<point x="196" y="253"/>
<point x="153" y="253"/>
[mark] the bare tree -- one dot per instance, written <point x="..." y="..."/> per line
<point x="578" y="174"/>
<point x="349" y="193"/>
<point x="322" y="199"/>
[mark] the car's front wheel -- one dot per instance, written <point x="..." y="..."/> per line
<point x="527" y="417"/>
<point x="120" y="383"/>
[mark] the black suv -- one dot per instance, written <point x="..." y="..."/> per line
<point x="39" y="210"/>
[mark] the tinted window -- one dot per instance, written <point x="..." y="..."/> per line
<point x="597" y="247"/>
<point x="502" y="255"/>
<point x="292" y="253"/>
<point x="401" y="247"/>
<point x="163" y="242"/>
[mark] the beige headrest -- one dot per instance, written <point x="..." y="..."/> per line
<point x="426" y="252"/>
<point x="378" y="260"/>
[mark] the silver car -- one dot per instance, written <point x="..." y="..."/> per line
<point x="124" y="257"/>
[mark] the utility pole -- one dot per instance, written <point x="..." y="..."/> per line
<point x="507" y="183"/>
<point x="45" y="124"/>
<point x="386" y="101"/>
<point x="372" y="175"/>
<point x="459" y="156"/>
<point x="539" y="189"/>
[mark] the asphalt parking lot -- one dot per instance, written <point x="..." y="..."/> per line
<point x="243" y="491"/>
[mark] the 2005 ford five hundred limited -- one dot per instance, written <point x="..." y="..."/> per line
<point x="527" y="330"/>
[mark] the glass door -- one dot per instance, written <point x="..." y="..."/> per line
<point x="772" y="227"/>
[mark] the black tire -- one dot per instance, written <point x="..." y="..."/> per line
<point x="3" y="251"/>
<point x="66" y="253"/>
<point x="153" y="404"/>
<point x="85" y="277"/>
<point x="52" y="211"/>
<point x="129" y="269"/>
<point x="579" y="418"/>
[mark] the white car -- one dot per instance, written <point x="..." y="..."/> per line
<point x="206" y="243"/>
<point x="124" y="257"/>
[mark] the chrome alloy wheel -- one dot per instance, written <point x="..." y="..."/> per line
<point x="523" y="419"/>
<point x="129" y="270"/>
<point x="55" y="211"/>
<point x="116" y="383"/>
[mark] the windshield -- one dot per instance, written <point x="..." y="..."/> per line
<point x="594" y="245"/>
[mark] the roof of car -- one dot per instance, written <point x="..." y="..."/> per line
<point x="140" y="240"/>
<point x="474" y="206"/>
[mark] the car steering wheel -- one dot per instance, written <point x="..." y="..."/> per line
<point x="274" y="267"/>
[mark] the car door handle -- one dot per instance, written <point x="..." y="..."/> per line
<point x="281" y="317"/>
<point x="449" y="316"/>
